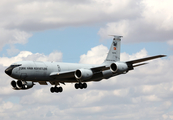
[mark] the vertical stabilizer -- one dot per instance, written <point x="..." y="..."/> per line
<point x="114" y="51"/>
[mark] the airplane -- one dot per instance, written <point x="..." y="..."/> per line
<point x="56" y="73"/>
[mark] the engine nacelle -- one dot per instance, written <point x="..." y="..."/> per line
<point x="107" y="74"/>
<point x="29" y="84"/>
<point x="83" y="74"/>
<point x="119" y="67"/>
<point x="20" y="85"/>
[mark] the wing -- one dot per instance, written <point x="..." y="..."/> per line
<point x="132" y="62"/>
<point x="70" y="74"/>
<point x="65" y="74"/>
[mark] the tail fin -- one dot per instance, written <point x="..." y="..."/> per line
<point x="114" y="51"/>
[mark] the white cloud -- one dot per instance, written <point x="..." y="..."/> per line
<point x="39" y="15"/>
<point x="158" y="13"/>
<point x="13" y="37"/>
<point x="170" y="42"/>
<point x="12" y="50"/>
<point x="26" y="55"/>
<point x="141" y="54"/>
<point x="109" y="99"/>
<point x="95" y="56"/>
<point x="145" y="93"/>
<point x="142" y="20"/>
<point x="25" y="17"/>
<point x="139" y="88"/>
<point x="153" y="23"/>
<point x="115" y="28"/>
<point x="121" y="92"/>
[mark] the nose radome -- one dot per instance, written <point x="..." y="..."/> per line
<point x="8" y="71"/>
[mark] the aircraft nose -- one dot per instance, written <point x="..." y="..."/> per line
<point x="8" y="71"/>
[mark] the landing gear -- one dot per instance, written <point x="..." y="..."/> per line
<point x="56" y="89"/>
<point x="81" y="85"/>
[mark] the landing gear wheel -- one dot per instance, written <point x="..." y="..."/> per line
<point x="52" y="89"/>
<point x="60" y="89"/>
<point x="76" y="85"/>
<point x="84" y="85"/>
<point x="56" y="89"/>
<point x="80" y="85"/>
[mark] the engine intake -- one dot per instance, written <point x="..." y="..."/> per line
<point x="13" y="84"/>
<point x="119" y="67"/>
<point x="83" y="74"/>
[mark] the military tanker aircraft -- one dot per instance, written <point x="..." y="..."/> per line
<point x="27" y="73"/>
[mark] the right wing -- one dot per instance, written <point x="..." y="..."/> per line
<point x="70" y="74"/>
<point x="132" y="62"/>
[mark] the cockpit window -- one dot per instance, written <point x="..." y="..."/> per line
<point x="13" y="66"/>
<point x="9" y="69"/>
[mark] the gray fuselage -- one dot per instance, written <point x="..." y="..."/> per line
<point x="40" y="71"/>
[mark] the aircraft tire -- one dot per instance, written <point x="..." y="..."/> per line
<point x="84" y="85"/>
<point x="56" y="89"/>
<point x="76" y="85"/>
<point x="60" y="89"/>
<point x="80" y="85"/>
<point x="52" y="89"/>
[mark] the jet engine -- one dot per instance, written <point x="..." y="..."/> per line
<point x="119" y="67"/>
<point x="22" y="85"/>
<point x="107" y="74"/>
<point x="83" y="74"/>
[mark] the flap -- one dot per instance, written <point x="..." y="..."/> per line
<point x="99" y="68"/>
<point x="42" y="82"/>
<point x="66" y="74"/>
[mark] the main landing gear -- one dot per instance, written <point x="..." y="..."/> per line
<point x="56" y="89"/>
<point x="80" y="85"/>
<point x="60" y="89"/>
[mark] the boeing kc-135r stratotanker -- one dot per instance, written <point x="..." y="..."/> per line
<point x="56" y="73"/>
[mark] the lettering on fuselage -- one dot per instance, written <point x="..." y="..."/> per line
<point x="31" y="68"/>
<point x="40" y="68"/>
<point x="22" y="68"/>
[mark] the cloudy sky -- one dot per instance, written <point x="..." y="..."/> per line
<point x="77" y="31"/>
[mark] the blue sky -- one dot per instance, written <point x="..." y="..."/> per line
<point x="77" y="31"/>
<point x="75" y="41"/>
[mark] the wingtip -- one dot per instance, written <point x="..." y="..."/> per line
<point x="163" y="55"/>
